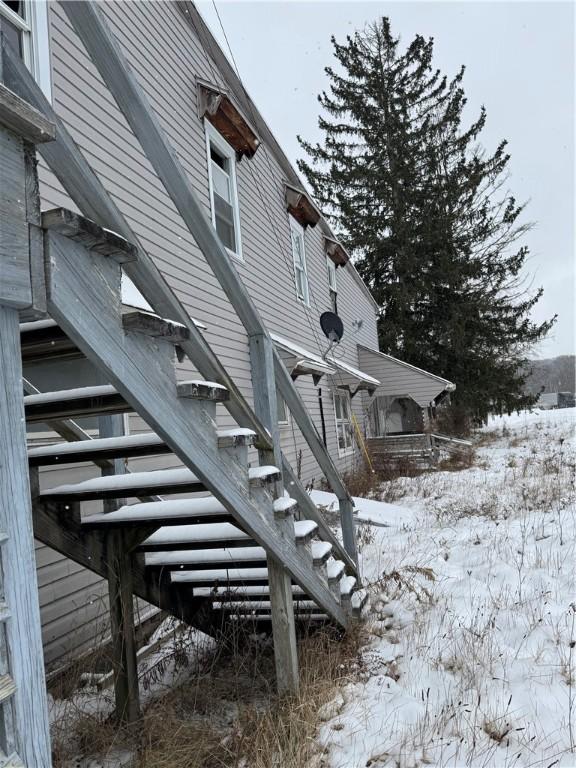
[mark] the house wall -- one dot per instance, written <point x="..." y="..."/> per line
<point x="166" y="56"/>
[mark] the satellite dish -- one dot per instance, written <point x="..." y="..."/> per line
<point x="332" y="326"/>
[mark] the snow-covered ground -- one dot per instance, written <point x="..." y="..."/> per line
<point x="471" y="658"/>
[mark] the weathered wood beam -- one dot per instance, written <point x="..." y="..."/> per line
<point x="282" y="607"/>
<point x="88" y="193"/>
<point x="19" y="580"/>
<point x="120" y="587"/>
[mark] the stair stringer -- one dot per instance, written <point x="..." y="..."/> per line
<point x="84" y="299"/>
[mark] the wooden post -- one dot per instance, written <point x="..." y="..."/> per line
<point x="120" y="596"/>
<point x="24" y="732"/>
<point x="280" y="584"/>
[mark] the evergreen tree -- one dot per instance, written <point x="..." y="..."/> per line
<point x="424" y="212"/>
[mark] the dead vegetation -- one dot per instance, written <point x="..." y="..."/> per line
<point x="228" y="715"/>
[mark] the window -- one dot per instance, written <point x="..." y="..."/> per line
<point x="281" y="411"/>
<point x="299" y="255"/>
<point x="24" y="24"/>
<point x="223" y="190"/>
<point x="332" y="283"/>
<point x="344" y="432"/>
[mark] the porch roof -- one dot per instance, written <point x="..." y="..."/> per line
<point x="348" y="377"/>
<point x="301" y="361"/>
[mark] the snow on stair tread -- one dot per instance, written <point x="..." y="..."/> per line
<point x="335" y="569"/>
<point x="38" y="325"/>
<point x="232" y="574"/>
<point x="159" y="511"/>
<point x="261" y="473"/>
<point x="202" y="383"/>
<point x="100" y="443"/>
<point x="208" y="556"/>
<point x="214" y="532"/>
<point x="249" y="605"/>
<point x="44" y="398"/>
<point x="268" y="617"/>
<point x="347" y="585"/>
<point x="191" y="534"/>
<point x="248" y="590"/>
<point x="304" y="528"/>
<point x="321" y="549"/>
<point x="237" y="432"/>
<point x="154" y="479"/>
<point x="284" y="503"/>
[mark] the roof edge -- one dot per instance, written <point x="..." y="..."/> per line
<point x="450" y="386"/>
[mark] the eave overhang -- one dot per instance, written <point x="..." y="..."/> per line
<point x="301" y="362"/>
<point x="299" y="204"/>
<point x="352" y="379"/>
<point x="215" y="105"/>
<point x="336" y="252"/>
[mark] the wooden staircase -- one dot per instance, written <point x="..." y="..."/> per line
<point x="202" y="556"/>
<point x="215" y="541"/>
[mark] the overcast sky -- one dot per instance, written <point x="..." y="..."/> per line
<point x="519" y="59"/>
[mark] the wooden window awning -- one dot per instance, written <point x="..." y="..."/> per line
<point x="336" y="252"/>
<point x="300" y="205"/>
<point x="215" y="105"/>
<point x="300" y="361"/>
<point x="350" y="378"/>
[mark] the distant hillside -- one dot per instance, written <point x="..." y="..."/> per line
<point x="554" y="375"/>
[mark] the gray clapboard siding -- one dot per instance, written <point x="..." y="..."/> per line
<point x="167" y="64"/>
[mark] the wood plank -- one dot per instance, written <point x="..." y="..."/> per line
<point x="130" y="446"/>
<point x="67" y="403"/>
<point x="88" y="193"/>
<point x="136" y="368"/>
<point x="22" y="119"/>
<point x="20" y="586"/>
<point x="280" y="585"/>
<point x="89" y="234"/>
<point x="137" y="321"/>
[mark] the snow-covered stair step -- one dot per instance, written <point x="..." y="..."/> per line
<point x="210" y="536"/>
<point x="284" y="507"/>
<point x="160" y="481"/>
<point x="335" y="570"/>
<point x="359" y="600"/>
<point x="260" y="606"/>
<point x="73" y="403"/>
<point x="126" y="447"/>
<point x="180" y="480"/>
<point x="321" y="551"/>
<point x="166" y="512"/>
<point x="266" y="616"/>
<point x="347" y="586"/>
<point x="199" y="560"/>
<point x="252" y="592"/>
<point x="44" y="340"/>
<point x="224" y="577"/>
<point x="305" y="530"/>
<point x="198" y="389"/>
<point x="150" y="324"/>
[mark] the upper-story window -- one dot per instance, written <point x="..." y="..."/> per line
<point x="223" y="190"/>
<point x="299" y="255"/>
<point x="332" y="283"/>
<point x="24" y="24"/>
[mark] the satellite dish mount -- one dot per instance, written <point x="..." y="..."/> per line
<point x="333" y="329"/>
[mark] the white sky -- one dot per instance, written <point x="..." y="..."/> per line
<point x="519" y="59"/>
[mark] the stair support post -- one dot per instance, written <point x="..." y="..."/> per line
<point x="24" y="732"/>
<point x="120" y="597"/>
<point x="280" y="583"/>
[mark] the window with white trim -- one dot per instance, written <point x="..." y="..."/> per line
<point x="332" y="283"/>
<point x="344" y="430"/>
<point x="223" y="190"/>
<point x="24" y="24"/>
<point x="299" y="256"/>
<point x="281" y="411"/>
